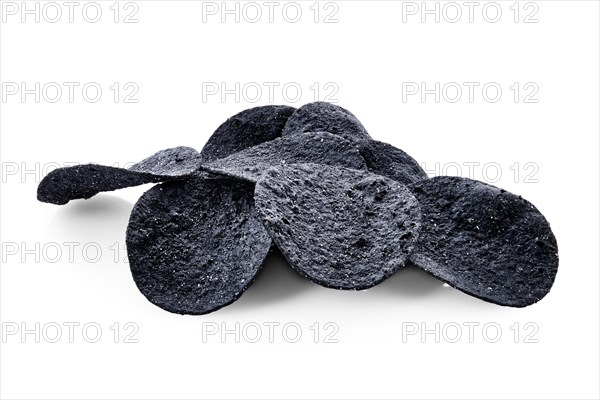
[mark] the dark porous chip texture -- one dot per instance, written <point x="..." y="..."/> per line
<point x="317" y="148"/>
<point x="485" y="241"/>
<point x="84" y="181"/>
<point x="246" y="129"/>
<point x="384" y="159"/>
<point x="321" y="116"/>
<point x="341" y="228"/>
<point x="176" y="162"/>
<point x="194" y="246"/>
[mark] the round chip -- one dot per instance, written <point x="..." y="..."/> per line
<point x="315" y="147"/>
<point x="485" y="241"/>
<point x="246" y="129"/>
<point x="384" y="159"/>
<point x="322" y="116"/>
<point x="194" y="246"/>
<point x="84" y="181"/>
<point x="341" y="228"/>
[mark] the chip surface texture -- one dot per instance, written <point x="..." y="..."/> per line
<point x="384" y="159"/>
<point x="246" y="129"/>
<point x="341" y="228"/>
<point x="84" y="181"/>
<point x="485" y="241"/>
<point x="317" y="148"/>
<point x="195" y="246"/>
<point x="327" y="117"/>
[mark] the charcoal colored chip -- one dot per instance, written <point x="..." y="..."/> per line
<point x="194" y="246"/>
<point x="176" y="162"/>
<point x="84" y="181"/>
<point x="384" y="159"/>
<point x="485" y="241"/>
<point x="246" y="129"/>
<point x="315" y="147"/>
<point x="322" y="116"/>
<point x="341" y="228"/>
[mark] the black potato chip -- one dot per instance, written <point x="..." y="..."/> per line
<point x="341" y="228"/>
<point x="316" y="147"/>
<point x="384" y="159"/>
<point x="194" y="246"/>
<point x="84" y="181"/>
<point x="485" y="241"/>
<point x="246" y="129"/>
<point x="321" y="116"/>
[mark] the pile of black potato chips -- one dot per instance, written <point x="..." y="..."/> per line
<point x="346" y="212"/>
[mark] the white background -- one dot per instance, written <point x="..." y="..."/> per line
<point x="171" y="54"/>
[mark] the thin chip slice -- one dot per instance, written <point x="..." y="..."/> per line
<point x="322" y="116"/>
<point x="246" y="129"/>
<point x="485" y="241"/>
<point x="341" y="228"/>
<point x="84" y="181"/>
<point x="194" y="246"/>
<point x="384" y="159"/>
<point x="316" y="147"/>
